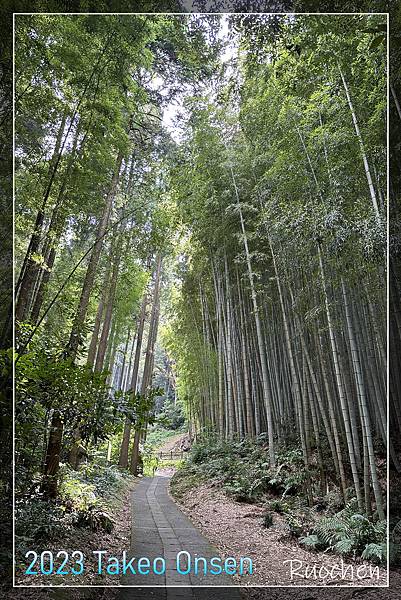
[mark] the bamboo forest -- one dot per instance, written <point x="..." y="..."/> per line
<point x="201" y="295"/>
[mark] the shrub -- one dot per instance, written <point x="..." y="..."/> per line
<point x="184" y="480"/>
<point x="85" y="499"/>
<point x="375" y="552"/>
<point x="268" y="520"/>
<point x="38" y="521"/>
<point x="349" y="532"/>
<point x="279" y="506"/>
<point x="77" y="495"/>
<point x="242" y="468"/>
<point x="333" y="501"/>
<point x="95" y="519"/>
<point x="311" y="542"/>
<point x="295" y="526"/>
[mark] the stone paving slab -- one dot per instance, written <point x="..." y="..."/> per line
<point x="160" y="529"/>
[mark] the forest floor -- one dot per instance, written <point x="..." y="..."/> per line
<point x="87" y="541"/>
<point x="236" y="529"/>
<point x="173" y="443"/>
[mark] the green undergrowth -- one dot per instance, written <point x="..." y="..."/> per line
<point x="88" y="498"/>
<point x="349" y="533"/>
<point x="241" y="470"/>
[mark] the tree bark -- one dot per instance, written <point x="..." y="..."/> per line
<point x="49" y="486"/>
<point x="340" y="386"/>
<point x="149" y="359"/>
<point x="30" y="266"/>
<point x="261" y="344"/>
<point x="362" y="145"/>
<point x="365" y="418"/>
<point x="76" y="332"/>
<point x="124" y="449"/>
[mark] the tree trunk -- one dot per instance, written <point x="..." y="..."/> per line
<point x="267" y="392"/>
<point x="76" y="332"/>
<point x="149" y="359"/>
<point x="30" y="266"/>
<point x="49" y="485"/>
<point x="54" y="232"/>
<point x="362" y="145"/>
<point x="365" y="418"/>
<point x="124" y="450"/>
<point x="101" y="350"/>
<point x="340" y="386"/>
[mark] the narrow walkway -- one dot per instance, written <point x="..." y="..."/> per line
<point x="160" y="529"/>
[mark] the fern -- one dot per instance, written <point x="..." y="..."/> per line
<point x="344" y="546"/>
<point x="375" y="552"/>
<point x="349" y="532"/>
<point x="267" y="520"/>
<point x="312" y="542"/>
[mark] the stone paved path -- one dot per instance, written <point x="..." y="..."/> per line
<point x="159" y="528"/>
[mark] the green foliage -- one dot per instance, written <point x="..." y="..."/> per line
<point x="295" y="525"/>
<point x="46" y="382"/>
<point x="350" y="533"/>
<point x="185" y="479"/>
<point x="139" y="408"/>
<point x="88" y="502"/>
<point x="91" y="88"/>
<point x="283" y="132"/>
<point x="267" y="520"/>
<point x="108" y="480"/>
<point x="37" y="521"/>
<point x="172" y="416"/>
<point x="78" y="495"/>
<point x="95" y="519"/>
<point x="242" y="468"/>
<point x="270" y="158"/>
<point x="87" y="499"/>
<point x="150" y="462"/>
<point x="375" y="552"/>
<point x="311" y="542"/>
<point x="333" y="501"/>
<point x="279" y="506"/>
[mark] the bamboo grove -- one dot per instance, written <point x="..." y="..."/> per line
<point x="281" y="326"/>
<point x="257" y="235"/>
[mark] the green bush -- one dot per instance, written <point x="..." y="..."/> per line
<point x="86" y="497"/>
<point x="279" y="506"/>
<point x="349" y="533"/>
<point x="77" y="495"/>
<point x="185" y="479"/>
<point x="242" y="468"/>
<point x="37" y="520"/>
<point x="295" y="525"/>
<point x="268" y="520"/>
<point x="95" y="519"/>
